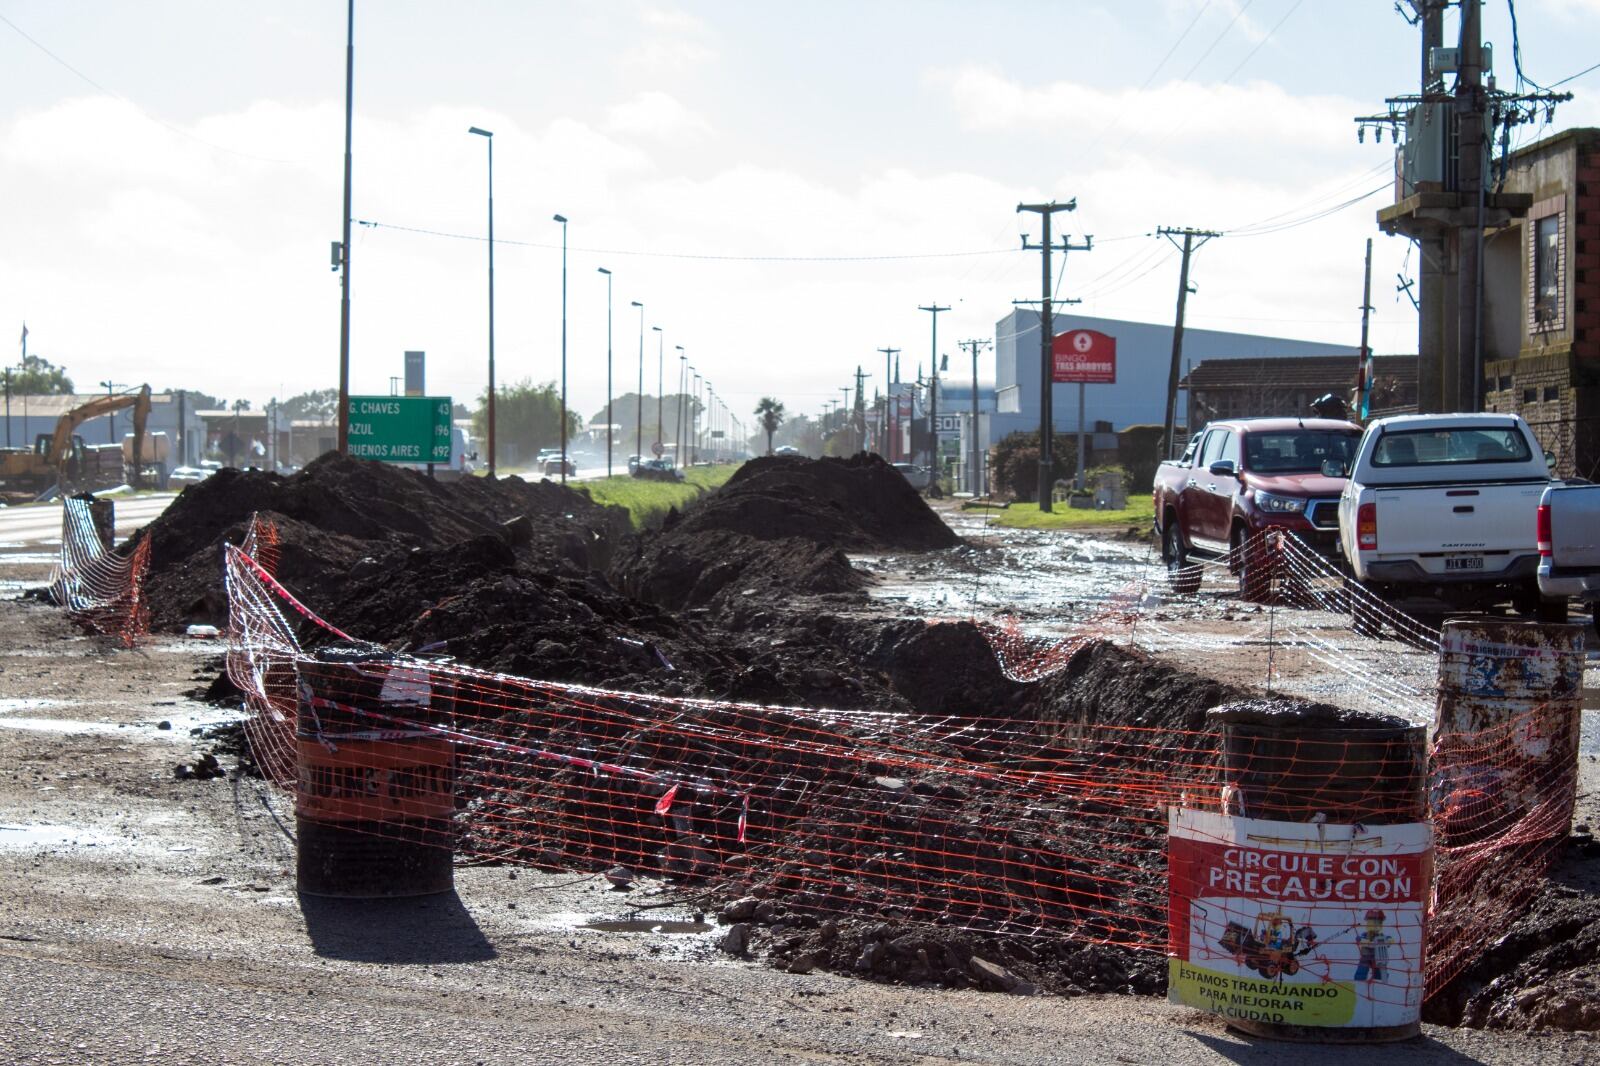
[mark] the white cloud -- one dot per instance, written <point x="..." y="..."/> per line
<point x="654" y="114"/>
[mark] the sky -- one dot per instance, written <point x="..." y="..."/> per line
<point x="781" y="185"/>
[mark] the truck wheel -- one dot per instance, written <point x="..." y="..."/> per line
<point x="1183" y="577"/>
<point x="1253" y="565"/>
<point x="1365" y="618"/>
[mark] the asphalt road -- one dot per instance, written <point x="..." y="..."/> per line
<point x="40" y="523"/>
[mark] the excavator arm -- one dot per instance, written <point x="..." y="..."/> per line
<point x="61" y="442"/>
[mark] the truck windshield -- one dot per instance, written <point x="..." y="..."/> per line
<point x="1436" y="447"/>
<point x="1297" y="451"/>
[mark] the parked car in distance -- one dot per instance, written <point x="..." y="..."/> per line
<point x="655" y="470"/>
<point x="1568" y="528"/>
<point x="1445" y="506"/>
<point x="786" y="449"/>
<point x="1241" y="476"/>
<point x="916" y="476"/>
<point x="187" y="475"/>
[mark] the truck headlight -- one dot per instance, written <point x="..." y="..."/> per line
<point x="1279" y="504"/>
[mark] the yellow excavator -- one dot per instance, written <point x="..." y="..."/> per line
<point x="59" y="461"/>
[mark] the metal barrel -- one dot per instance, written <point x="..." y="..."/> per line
<point x="1507" y="728"/>
<point x="375" y="770"/>
<point x="1292" y="761"/>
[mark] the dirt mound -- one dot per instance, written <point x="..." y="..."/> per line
<point x="780" y="527"/>
<point x="856" y="504"/>
<point x="1544" y="971"/>
<point x="339" y="511"/>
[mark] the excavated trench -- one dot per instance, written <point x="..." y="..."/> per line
<point x="748" y="596"/>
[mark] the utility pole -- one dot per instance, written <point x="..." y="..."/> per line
<point x="846" y="421"/>
<point x="1364" y="370"/>
<point x="933" y="401"/>
<point x="1189" y="246"/>
<point x="1047" y="248"/>
<point x="859" y="415"/>
<point x="1442" y="196"/>
<point x="975" y="461"/>
<point x="885" y="443"/>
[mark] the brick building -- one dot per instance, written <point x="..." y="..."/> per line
<point x="1246" y="388"/>
<point x="1542" y="299"/>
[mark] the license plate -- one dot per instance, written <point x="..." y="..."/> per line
<point x="1463" y="562"/>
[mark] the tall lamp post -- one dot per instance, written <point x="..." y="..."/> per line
<point x="694" y="428"/>
<point x="677" y="436"/>
<point x="489" y="138"/>
<point x="660" y="342"/>
<point x="607" y="273"/>
<point x="563" y="220"/>
<point x="344" y="240"/>
<point x="111" y="416"/>
<point x="638" y="406"/>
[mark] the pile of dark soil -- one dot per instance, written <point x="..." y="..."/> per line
<point x="857" y="504"/>
<point x="780" y="527"/>
<point x="1544" y="971"/>
<point x="339" y="512"/>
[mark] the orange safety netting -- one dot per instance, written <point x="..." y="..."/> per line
<point x="99" y="588"/>
<point x="1045" y="829"/>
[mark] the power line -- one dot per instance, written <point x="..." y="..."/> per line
<point x="1251" y="55"/>
<point x="142" y="112"/>
<point x="689" y="255"/>
<point x="1237" y="15"/>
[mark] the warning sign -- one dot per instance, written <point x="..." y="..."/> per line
<point x="1295" y="923"/>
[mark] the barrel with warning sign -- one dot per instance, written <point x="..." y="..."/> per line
<point x="1299" y="902"/>
<point x="375" y="775"/>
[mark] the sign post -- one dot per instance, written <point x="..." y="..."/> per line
<point x="401" y="429"/>
<point x="1087" y="357"/>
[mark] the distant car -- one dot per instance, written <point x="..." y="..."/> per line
<point x="786" y="449"/>
<point x="916" y="476"/>
<point x="552" y="466"/>
<point x="656" y="470"/>
<point x="187" y="475"/>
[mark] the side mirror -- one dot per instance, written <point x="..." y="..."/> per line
<point x="1549" y="458"/>
<point x="1222" y="468"/>
<point x="1332" y="468"/>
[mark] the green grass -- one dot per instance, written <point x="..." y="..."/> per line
<point x="1139" y="512"/>
<point x="649" y="501"/>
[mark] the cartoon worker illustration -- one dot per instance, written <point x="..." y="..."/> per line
<point x="1373" y="944"/>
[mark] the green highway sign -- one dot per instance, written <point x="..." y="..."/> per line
<point x="400" y="429"/>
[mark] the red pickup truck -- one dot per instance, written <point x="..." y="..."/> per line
<point x="1244" y="475"/>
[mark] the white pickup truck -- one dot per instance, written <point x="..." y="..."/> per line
<point x="1444" y="507"/>
<point x="1569" y="545"/>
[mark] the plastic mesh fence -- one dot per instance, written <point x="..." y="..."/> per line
<point x="99" y="589"/>
<point x="1044" y="829"/>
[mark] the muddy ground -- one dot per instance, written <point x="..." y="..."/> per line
<point x="153" y="919"/>
<point x="531" y="606"/>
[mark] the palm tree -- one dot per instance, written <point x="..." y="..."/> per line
<point x="770" y="412"/>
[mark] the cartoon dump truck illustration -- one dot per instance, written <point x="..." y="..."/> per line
<point x="1272" y="947"/>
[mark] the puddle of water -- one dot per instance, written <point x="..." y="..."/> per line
<point x="12" y="706"/>
<point x="45" y="837"/>
<point x="181" y="724"/>
<point x="646" y="925"/>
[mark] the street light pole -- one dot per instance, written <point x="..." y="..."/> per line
<point x="344" y="246"/>
<point x="638" y="406"/>
<point x="677" y="436"/>
<point x="607" y="273"/>
<point x="489" y="138"/>
<point x="694" y="443"/>
<point x="661" y="384"/>
<point x="111" y="416"/>
<point x="563" y="428"/>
